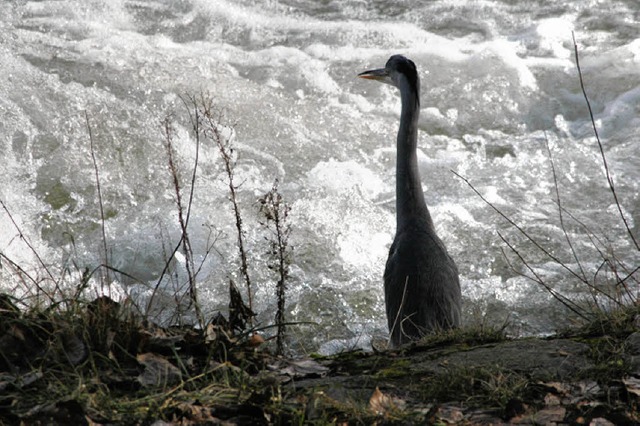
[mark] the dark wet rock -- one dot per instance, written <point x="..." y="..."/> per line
<point x="158" y="371"/>
<point x="540" y="359"/>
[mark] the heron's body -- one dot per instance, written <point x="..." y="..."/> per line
<point x="422" y="291"/>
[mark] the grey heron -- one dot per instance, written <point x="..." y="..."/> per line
<point x="421" y="285"/>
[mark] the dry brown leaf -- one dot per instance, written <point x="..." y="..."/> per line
<point x="450" y="414"/>
<point x="558" y="387"/>
<point x="255" y="340"/>
<point x="304" y="368"/>
<point x="550" y="415"/>
<point x="632" y="384"/>
<point x="380" y="403"/>
<point x="210" y="333"/>
<point x="551" y="400"/>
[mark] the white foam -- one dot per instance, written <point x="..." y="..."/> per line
<point x="287" y="77"/>
<point x="338" y="177"/>
<point x="362" y="248"/>
<point x="554" y="35"/>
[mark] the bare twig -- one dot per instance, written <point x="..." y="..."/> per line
<point x="546" y="252"/>
<point x="226" y="152"/>
<point x="396" y="320"/>
<point x="22" y="273"/>
<point x="568" y="303"/>
<point x="183" y="216"/>
<point x="609" y="265"/>
<point x="195" y="118"/>
<point x="560" y="209"/>
<point x="190" y="103"/>
<point x="607" y="259"/>
<point x="195" y="123"/>
<point x="522" y="231"/>
<point x="100" y="203"/>
<point x="33" y="250"/>
<point x="276" y="211"/>
<point x="604" y="158"/>
<point x="167" y="265"/>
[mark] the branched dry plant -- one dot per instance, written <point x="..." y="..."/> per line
<point x="184" y="213"/>
<point x="50" y="286"/>
<point x="213" y="120"/>
<point x="276" y="212"/>
<point x="602" y="155"/>
<point x="612" y="271"/>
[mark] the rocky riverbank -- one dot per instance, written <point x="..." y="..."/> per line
<point x="96" y="365"/>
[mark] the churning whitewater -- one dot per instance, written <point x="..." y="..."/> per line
<point x="501" y="106"/>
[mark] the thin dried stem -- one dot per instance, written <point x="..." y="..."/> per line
<point x="568" y="303"/>
<point x="183" y="220"/>
<point x="560" y="209"/>
<point x="100" y="203"/>
<point x="183" y="217"/>
<point x="604" y="158"/>
<point x="522" y="231"/>
<point x="33" y="250"/>
<point x="226" y="151"/>
<point x="276" y="211"/>
<point x="22" y="273"/>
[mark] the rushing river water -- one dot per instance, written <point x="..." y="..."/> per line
<point x="499" y="86"/>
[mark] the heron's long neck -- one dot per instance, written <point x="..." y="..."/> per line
<point x="410" y="202"/>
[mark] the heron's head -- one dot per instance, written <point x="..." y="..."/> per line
<point x="397" y="67"/>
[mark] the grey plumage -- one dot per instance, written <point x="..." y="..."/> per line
<point x="422" y="290"/>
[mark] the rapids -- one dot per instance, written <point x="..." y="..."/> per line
<point x="499" y="85"/>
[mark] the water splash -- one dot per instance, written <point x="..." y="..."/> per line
<point x="498" y="79"/>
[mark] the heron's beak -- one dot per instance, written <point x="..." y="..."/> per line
<point x="379" y="74"/>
